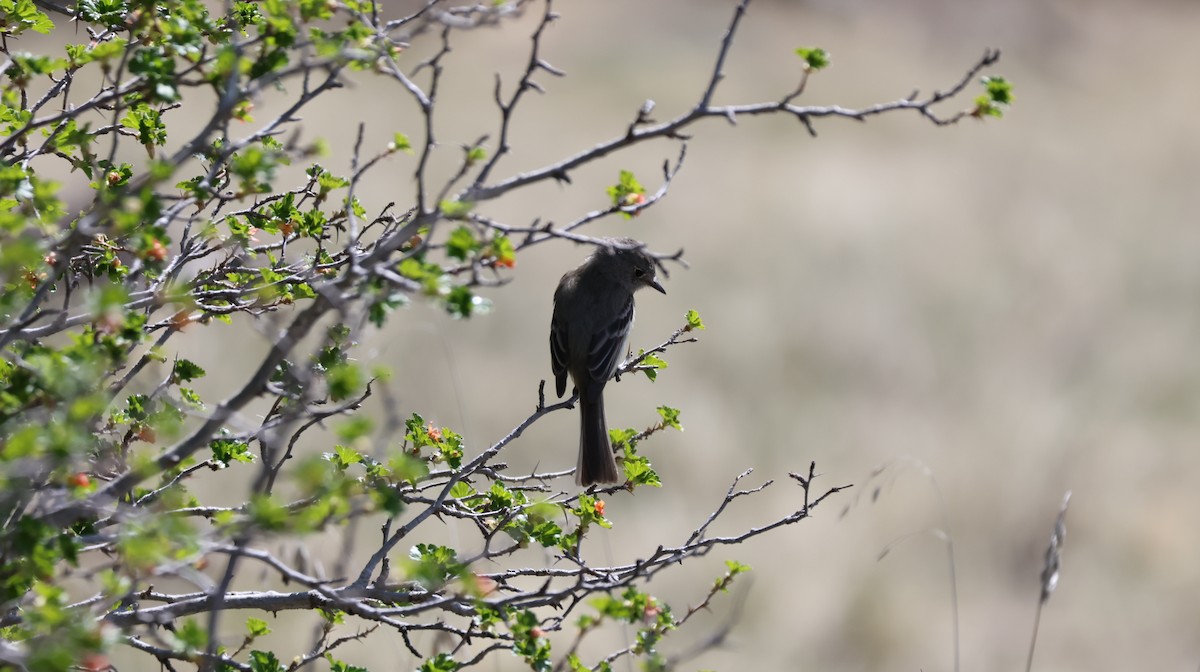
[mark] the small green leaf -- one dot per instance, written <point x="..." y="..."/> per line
<point x="547" y="533"/>
<point x="815" y="58"/>
<point x="670" y="417"/>
<point x="999" y="90"/>
<point x="226" y="451"/>
<point x="736" y="567"/>
<point x="503" y="252"/>
<point x="186" y="370"/>
<point x="22" y="14"/>
<point x="627" y="193"/>
<point x="339" y="666"/>
<point x="192" y="635"/>
<point x="408" y="468"/>
<point x="268" y="513"/>
<point x="355" y="428"/>
<point x="462" y="302"/>
<point x="400" y="143"/>
<point x="442" y="662"/>
<point x="256" y="627"/>
<point x="264" y="661"/>
<point x="650" y="365"/>
<point x="461" y="490"/>
<point x="342" y="457"/>
<point x="433" y="566"/>
<point x="456" y="209"/>
<point x="345" y="379"/>
<point x="189" y="395"/>
<point x="997" y="95"/>
<point x="639" y="472"/>
<point x="693" y="321"/>
<point x="462" y="243"/>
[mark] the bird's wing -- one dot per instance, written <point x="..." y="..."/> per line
<point x="558" y="354"/>
<point x="607" y="348"/>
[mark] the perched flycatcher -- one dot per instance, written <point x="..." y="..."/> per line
<point x="593" y="314"/>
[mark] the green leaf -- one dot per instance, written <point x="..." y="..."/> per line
<point x="650" y="365"/>
<point x="267" y="513"/>
<point x="590" y="510"/>
<point x="530" y="642"/>
<point x="109" y="13"/>
<point x="192" y="635"/>
<point x="736" y="567"/>
<point x="462" y="302"/>
<point x="502" y="251"/>
<point x="999" y="90"/>
<point x="815" y="58"/>
<point x="455" y="209"/>
<point x="693" y="321"/>
<point x="670" y="417"/>
<point x="189" y="395"/>
<point x="148" y="124"/>
<point x="400" y="143"/>
<point x="619" y="437"/>
<point x="157" y="68"/>
<point x="462" y="244"/>
<point x="461" y="490"/>
<point x="339" y="666"/>
<point x="264" y="661"/>
<point x="450" y="446"/>
<point x="547" y="533"/>
<point x="186" y="370"/>
<point x="997" y="95"/>
<point x="433" y="566"/>
<point x="333" y="616"/>
<point x="355" y="428"/>
<point x="256" y="627"/>
<point x="627" y="193"/>
<point x="342" y="457"/>
<point x="226" y="451"/>
<point x="442" y="662"/>
<point x="407" y="468"/>
<point x="344" y="380"/>
<point x="23" y="14"/>
<point x="639" y="472"/>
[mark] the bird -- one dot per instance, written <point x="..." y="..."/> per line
<point x="589" y="333"/>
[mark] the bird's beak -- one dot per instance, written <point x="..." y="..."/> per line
<point x="653" y="282"/>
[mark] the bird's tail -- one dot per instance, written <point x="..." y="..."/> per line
<point x="596" y="463"/>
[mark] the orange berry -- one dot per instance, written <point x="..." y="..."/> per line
<point x="484" y="585"/>
<point x="95" y="662"/>
<point x="157" y="251"/>
<point x="180" y="320"/>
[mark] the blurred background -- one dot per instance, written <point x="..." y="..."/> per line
<point x="993" y="313"/>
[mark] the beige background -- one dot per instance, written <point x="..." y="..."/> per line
<point x="998" y="312"/>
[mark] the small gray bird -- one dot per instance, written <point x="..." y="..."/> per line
<point x="593" y="314"/>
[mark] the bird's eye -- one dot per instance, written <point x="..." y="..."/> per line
<point x="638" y="273"/>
